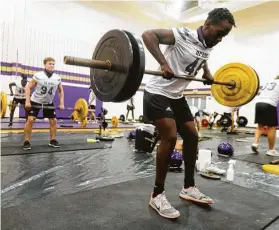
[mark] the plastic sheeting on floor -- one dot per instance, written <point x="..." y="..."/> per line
<point x="41" y="176"/>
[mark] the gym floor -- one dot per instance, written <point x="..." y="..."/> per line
<point x="107" y="186"/>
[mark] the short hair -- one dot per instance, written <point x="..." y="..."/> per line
<point x="48" y="59"/>
<point x="221" y="14"/>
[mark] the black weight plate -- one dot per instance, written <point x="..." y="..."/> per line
<point x="116" y="47"/>
<point x="136" y="72"/>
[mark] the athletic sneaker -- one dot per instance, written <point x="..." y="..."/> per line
<point x="193" y="193"/>
<point x="255" y="147"/>
<point x="54" y="143"/>
<point x="163" y="207"/>
<point x="214" y="169"/>
<point x="273" y="153"/>
<point x="26" y="145"/>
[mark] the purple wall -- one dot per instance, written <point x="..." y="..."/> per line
<point x="71" y="95"/>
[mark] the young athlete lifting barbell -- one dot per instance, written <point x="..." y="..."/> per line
<point x="45" y="84"/>
<point x="118" y="79"/>
<point x="187" y="52"/>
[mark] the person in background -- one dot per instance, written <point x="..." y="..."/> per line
<point x="130" y="107"/>
<point x="199" y="116"/>
<point x="19" y="96"/>
<point x="266" y="115"/>
<point x="92" y="104"/>
<point x="228" y="112"/>
<point x="235" y="116"/>
<point x="45" y="83"/>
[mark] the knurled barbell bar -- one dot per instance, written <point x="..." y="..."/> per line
<point x="118" y="66"/>
<point x="108" y="66"/>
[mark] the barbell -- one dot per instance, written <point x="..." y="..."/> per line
<point x="117" y="68"/>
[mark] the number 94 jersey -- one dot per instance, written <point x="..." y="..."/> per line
<point x="46" y="87"/>
<point x="186" y="57"/>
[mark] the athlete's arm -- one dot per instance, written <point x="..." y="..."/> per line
<point x="206" y="74"/>
<point x="61" y="96"/>
<point x="152" y="39"/>
<point x="29" y="86"/>
<point x="11" y="89"/>
<point x="205" y="68"/>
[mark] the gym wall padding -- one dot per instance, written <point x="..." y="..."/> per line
<point x="78" y="89"/>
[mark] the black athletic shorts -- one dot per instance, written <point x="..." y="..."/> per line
<point x="156" y="106"/>
<point x="47" y="113"/>
<point x="18" y="101"/>
<point x="91" y="107"/>
<point x="130" y="107"/>
<point x="266" y="114"/>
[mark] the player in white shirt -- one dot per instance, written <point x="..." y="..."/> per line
<point x="131" y="107"/>
<point x="91" y="103"/>
<point x="266" y="115"/>
<point x="19" y="95"/>
<point x="45" y="83"/>
<point x="187" y="52"/>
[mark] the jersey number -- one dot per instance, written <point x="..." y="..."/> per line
<point x="269" y="86"/>
<point x="44" y="90"/>
<point x="190" y="69"/>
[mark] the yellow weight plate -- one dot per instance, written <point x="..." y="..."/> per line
<point x="114" y="121"/>
<point x="81" y="108"/>
<point x="258" y="88"/>
<point x="4" y="101"/>
<point x="74" y="116"/>
<point x="246" y="80"/>
<point x="271" y="168"/>
<point x="84" y="122"/>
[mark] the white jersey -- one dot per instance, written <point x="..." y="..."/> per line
<point x="186" y="56"/>
<point x="270" y="93"/>
<point x="46" y="87"/>
<point x="92" y="98"/>
<point x="19" y="90"/>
